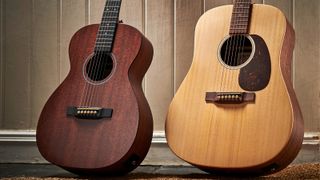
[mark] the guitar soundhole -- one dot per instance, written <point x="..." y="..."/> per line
<point x="99" y="67"/>
<point x="236" y="51"/>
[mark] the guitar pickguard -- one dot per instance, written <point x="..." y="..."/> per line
<point x="256" y="75"/>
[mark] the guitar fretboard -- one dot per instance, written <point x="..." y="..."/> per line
<point x="107" y="29"/>
<point x="240" y="17"/>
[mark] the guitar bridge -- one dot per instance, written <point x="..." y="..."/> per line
<point x="89" y="112"/>
<point x="230" y="97"/>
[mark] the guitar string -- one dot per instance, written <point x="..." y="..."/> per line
<point x="98" y="70"/>
<point x="236" y="62"/>
<point x="93" y="61"/>
<point x="106" y="27"/>
<point x="111" y="26"/>
<point x="228" y="50"/>
<point x="91" y="67"/>
<point x="231" y="50"/>
<point x="224" y="59"/>
<point x="88" y="72"/>
<point x="102" y="47"/>
<point x="235" y="75"/>
<point x="233" y="82"/>
<point x="233" y="61"/>
<point x="227" y="54"/>
<point x="243" y="37"/>
<point x="229" y="63"/>
<point x="113" y="17"/>
<point x="243" y="58"/>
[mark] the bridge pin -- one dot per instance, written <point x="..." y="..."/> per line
<point x="95" y="112"/>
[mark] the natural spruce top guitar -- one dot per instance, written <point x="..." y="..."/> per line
<point x="98" y="120"/>
<point x="236" y="110"/>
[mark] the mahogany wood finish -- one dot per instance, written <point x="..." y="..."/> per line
<point x="106" y="146"/>
<point x="257" y="138"/>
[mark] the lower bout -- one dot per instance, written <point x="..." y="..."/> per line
<point x="122" y="167"/>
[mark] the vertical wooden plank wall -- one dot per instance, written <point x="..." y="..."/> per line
<point x="72" y="17"/>
<point x="159" y="79"/>
<point x="132" y="13"/>
<point x="187" y="13"/>
<point x="2" y="35"/>
<point x="95" y="11"/>
<point x="18" y="59"/>
<point x="44" y="66"/>
<point x="286" y="7"/>
<point x="307" y="60"/>
<point x="35" y="36"/>
<point x="209" y="4"/>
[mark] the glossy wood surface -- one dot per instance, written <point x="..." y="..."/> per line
<point x="35" y="35"/>
<point x="262" y="137"/>
<point x="106" y="146"/>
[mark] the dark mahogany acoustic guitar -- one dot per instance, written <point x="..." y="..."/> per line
<point x="98" y="121"/>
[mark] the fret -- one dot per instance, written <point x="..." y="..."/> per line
<point x="238" y="27"/>
<point x="103" y="45"/>
<point x="110" y="19"/>
<point x="240" y="17"/>
<point x="102" y="40"/>
<point x="105" y="42"/>
<point x="242" y="7"/>
<point x="108" y="25"/>
<point x="239" y="11"/>
<point x="100" y="48"/>
<point x="106" y="35"/>
<point x="111" y="14"/>
<point x="238" y="21"/>
<point x="114" y="11"/>
<point x="105" y="32"/>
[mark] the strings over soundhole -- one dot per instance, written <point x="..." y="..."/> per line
<point x="236" y="51"/>
<point x="99" y="67"/>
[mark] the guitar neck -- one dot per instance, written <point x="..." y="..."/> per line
<point x="108" y="26"/>
<point x="240" y="17"/>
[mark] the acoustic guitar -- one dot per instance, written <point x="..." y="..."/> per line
<point x="98" y="121"/>
<point x="236" y="110"/>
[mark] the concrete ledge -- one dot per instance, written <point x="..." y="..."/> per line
<point x="20" y="147"/>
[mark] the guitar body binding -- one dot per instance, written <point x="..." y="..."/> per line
<point x="258" y="135"/>
<point x="109" y="134"/>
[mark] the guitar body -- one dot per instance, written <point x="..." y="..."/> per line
<point x="262" y="136"/>
<point x="114" y="145"/>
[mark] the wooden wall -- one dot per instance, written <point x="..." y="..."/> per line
<point x="34" y="50"/>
